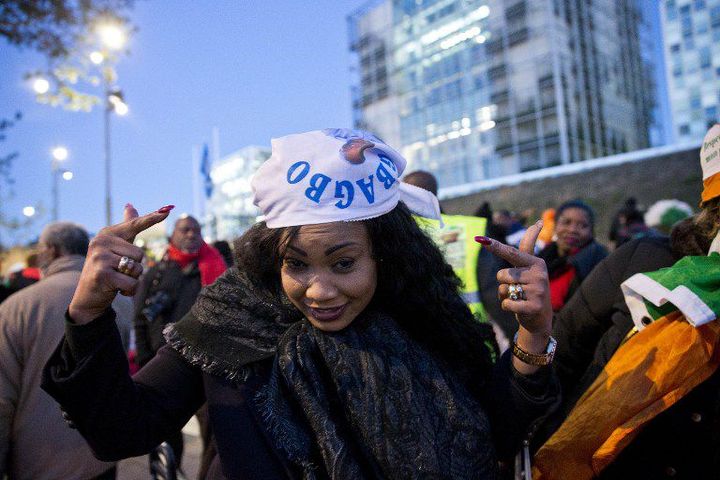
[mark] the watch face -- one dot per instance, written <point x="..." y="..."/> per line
<point x="550" y="352"/>
<point x="552" y="345"/>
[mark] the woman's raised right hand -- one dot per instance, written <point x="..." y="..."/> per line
<point x="100" y="280"/>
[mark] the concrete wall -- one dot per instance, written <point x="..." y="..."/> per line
<point x="677" y="175"/>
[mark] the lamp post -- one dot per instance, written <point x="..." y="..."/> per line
<point x="108" y="176"/>
<point x="59" y="155"/>
<point x="112" y="37"/>
<point x="113" y="103"/>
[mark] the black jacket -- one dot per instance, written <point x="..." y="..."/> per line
<point x="166" y="294"/>
<point x="583" y="262"/>
<point x="488" y="265"/>
<point x="122" y="416"/>
<point x="682" y="442"/>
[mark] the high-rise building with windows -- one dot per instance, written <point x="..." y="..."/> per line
<point x="230" y="210"/>
<point x="476" y="89"/>
<point x="691" y="31"/>
<point x="375" y="105"/>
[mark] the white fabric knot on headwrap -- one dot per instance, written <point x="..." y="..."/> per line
<point x="334" y="175"/>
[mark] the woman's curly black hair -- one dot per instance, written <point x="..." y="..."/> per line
<point x="416" y="286"/>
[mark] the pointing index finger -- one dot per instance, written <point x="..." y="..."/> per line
<point x="134" y="224"/>
<point x="512" y="255"/>
<point x="517" y="258"/>
<point x="527" y="244"/>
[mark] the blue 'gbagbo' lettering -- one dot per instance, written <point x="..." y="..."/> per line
<point x="349" y="193"/>
<point x="387" y="161"/>
<point x="318" y="183"/>
<point x="366" y="186"/>
<point x="302" y="174"/>
<point x="384" y="176"/>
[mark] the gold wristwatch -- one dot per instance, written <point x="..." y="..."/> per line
<point x="538" y="359"/>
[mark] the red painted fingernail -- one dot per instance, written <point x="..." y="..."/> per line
<point x="166" y="208"/>
<point x="483" y="240"/>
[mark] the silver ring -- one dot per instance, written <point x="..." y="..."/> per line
<point x="516" y="292"/>
<point x="126" y="265"/>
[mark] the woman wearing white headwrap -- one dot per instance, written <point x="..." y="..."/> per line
<point x="338" y="348"/>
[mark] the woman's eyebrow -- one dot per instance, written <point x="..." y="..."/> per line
<point x="298" y="250"/>
<point x="337" y="247"/>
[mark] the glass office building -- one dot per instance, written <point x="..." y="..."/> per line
<point x="477" y="89"/>
<point x="691" y="31"/>
<point x="230" y="210"/>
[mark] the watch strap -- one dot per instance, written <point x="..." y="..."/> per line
<point x="538" y="359"/>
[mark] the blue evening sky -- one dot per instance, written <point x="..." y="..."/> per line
<point x="254" y="70"/>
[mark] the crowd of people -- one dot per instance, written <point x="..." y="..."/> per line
<point x="333" y="339"/>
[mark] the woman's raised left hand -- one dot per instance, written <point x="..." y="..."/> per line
<point x="532" y="307"/>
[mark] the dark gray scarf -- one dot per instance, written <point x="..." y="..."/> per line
<point x="232" y="325"/>
<point x="366" y="402"/>
<point x="369" y="402"/>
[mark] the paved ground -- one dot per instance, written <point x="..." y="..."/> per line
<point x="138" y="468"/>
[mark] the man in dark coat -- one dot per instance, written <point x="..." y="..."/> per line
<point x="169" y="289"/>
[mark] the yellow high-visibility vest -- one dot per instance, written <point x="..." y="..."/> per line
<point x="456" y="239"/>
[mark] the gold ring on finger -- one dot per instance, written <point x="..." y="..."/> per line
<point x="126" y="265"/>
<point x="516" y="292"/>
<point x="521" y="292"/>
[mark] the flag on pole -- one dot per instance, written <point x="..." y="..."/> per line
<point x="205" y="170"/>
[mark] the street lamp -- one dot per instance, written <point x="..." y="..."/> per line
<point x="59" y="155"/>
<point x="97" y="57"/>
<point x="113" y="103"/>
<point x="40" y="85"/>
<point x="112" y="37"/>
<point x="115" y="98"/>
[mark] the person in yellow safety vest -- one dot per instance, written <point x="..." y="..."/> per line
<point x="456" y="240"/>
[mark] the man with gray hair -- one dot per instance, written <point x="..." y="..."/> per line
<point x="35" y="440"/>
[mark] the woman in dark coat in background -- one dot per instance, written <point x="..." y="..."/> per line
<point x="574" y="253"/>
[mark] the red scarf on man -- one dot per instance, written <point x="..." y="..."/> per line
<point x="210" y="261"/>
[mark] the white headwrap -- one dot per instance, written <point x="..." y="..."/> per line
<point x="334" y="175"/>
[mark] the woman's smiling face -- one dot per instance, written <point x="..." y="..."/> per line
<point x="573" y="229"/>
<point x="328" y="272"/>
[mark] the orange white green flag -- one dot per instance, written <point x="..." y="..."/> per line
<point x="690" y="286"/>
<point x="676" y="349"/>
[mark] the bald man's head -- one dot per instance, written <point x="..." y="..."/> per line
<point x="422" y="179"/>
<point x="187" y="236"/>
